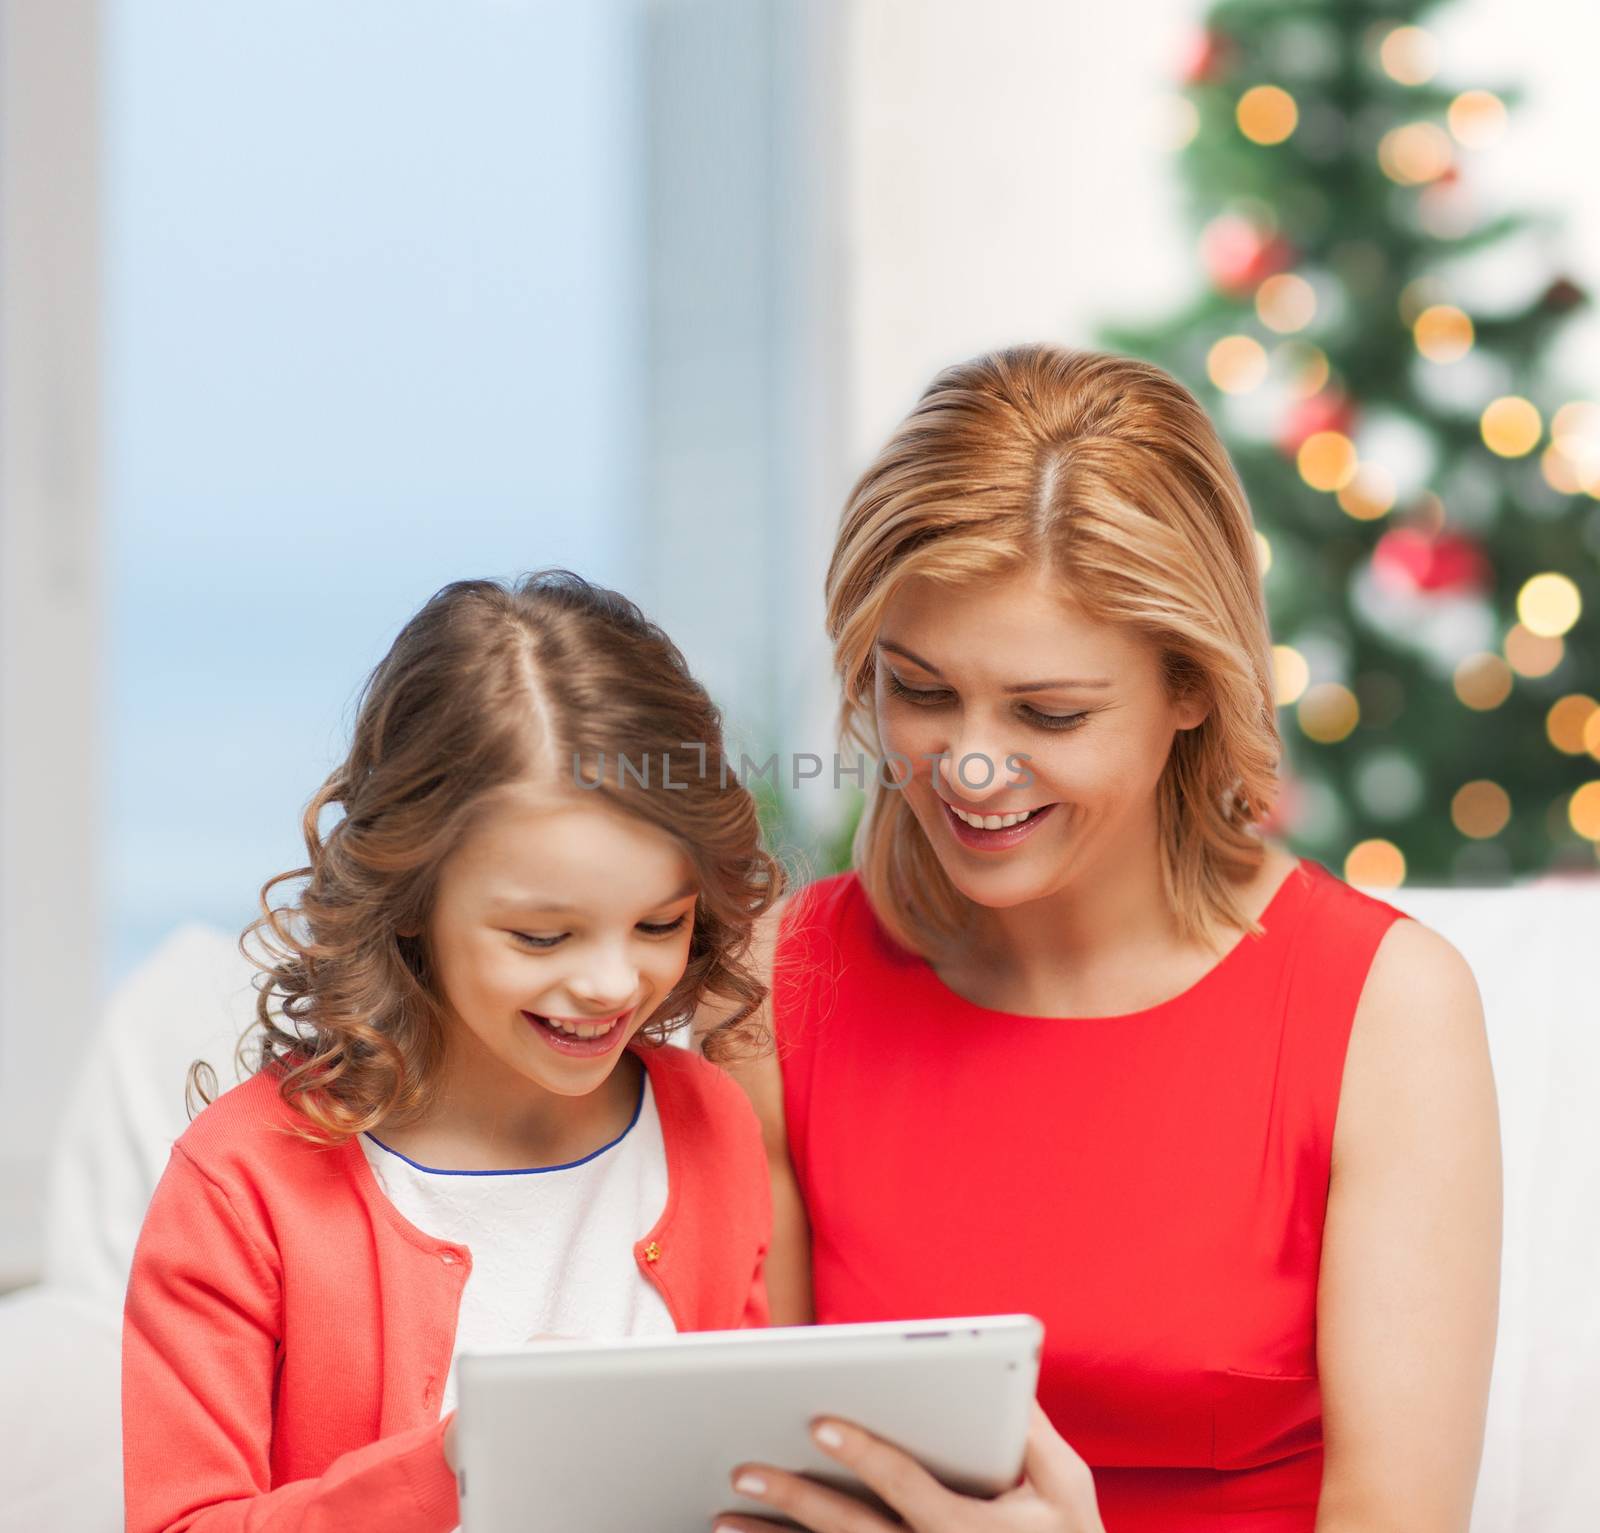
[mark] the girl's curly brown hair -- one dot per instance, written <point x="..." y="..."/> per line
<point x="489" y="683"/>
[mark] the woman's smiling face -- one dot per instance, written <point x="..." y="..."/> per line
<point x="1015" y="669"/>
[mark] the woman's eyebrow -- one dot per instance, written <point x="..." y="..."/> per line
<point x="1026" y="686"/>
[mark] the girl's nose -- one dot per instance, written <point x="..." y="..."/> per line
<point x="608" y="982"/>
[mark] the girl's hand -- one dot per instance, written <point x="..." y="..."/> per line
<point x="1056" y="1494"/>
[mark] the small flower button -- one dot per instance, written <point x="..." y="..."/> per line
<point x="652" y="1252"/>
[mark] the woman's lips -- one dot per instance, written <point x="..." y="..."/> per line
<point x="992" y="840"/>
<point x="581" y="1048"/>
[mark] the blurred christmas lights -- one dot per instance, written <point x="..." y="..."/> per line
<point x="1549" y="605"/>
<point x="1443" y="333"/>
<point x="1267" y="114"/>
<point x="1409" y="55"/>
<point x="1481" y="809"/>
<point x="1511" y="426"/>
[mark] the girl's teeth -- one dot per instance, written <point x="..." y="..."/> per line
<point x="991" y="821"/>
<point x="578" y="1029"/>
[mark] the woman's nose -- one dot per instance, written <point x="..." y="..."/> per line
<point x="973" y="771"/>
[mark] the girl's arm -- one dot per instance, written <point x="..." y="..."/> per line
<point x="788" y="1262"/>
<point x="1407" y="1300"/>
<point x="199" y="1363"/>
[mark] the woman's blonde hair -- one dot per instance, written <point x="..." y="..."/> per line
<point x="1106" y="472"/>
<point x="487" y="685"/>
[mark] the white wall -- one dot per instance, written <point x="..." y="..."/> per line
<point x="50" y="597"/>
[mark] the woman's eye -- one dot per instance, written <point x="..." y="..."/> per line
<point x="912" y="694"/>
<point x="1055" y="720"/>
<point x="935" y="697"/>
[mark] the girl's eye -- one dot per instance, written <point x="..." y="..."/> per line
<point x="649" y="928"/>
<point x="663" y="929"/>
<point x="933" y="698"/>
<point x="539" y="942"/>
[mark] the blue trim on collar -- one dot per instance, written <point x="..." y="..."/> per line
<point x="571" y="1165"/>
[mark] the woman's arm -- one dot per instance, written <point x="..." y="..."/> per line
<point x="1409" y="1287"/>
<point x="788" y="1263"/>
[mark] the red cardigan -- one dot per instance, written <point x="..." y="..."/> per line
<point x="287" y="1333"/>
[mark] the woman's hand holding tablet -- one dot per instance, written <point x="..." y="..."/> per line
<point x="1056" y="1494"/>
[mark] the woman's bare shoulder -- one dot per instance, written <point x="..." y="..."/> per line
<point x="1418" y="1050"/>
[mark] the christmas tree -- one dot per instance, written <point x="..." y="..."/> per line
<point x="1424" y="490"/>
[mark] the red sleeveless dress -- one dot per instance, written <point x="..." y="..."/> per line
<point x="1152" y="1186"/>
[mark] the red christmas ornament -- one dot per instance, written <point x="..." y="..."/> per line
<point x="1239" y="256"/>
<point x="1447" y="563"/>
<point x="1205" y="56"/>
<point x="1326" y="411"/>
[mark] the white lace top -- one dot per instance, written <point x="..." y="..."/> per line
<point x="552" y="1246"/>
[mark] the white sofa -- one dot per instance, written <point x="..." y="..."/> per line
<point x="1533" y="949"/>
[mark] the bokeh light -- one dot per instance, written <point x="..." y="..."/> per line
<point x="1571" y="464"/>
<point x="1286" y="303"/>
<point x="1477" y="118"/>
<point x="1567" y="722"/>
<point x="1575" y="427"/>
<point x="1263" y="553"/>
<point x="1409" y="55"/>
<point x="1443" y="333"/>
<point x="1415" y="153"/>
<point x="1327" y="460"/>
<point x="1549" y="605"/>
<point x="1377" y="864"/>
<point x="1389" y="783"/>
<point x="1591" y="735"/>
<point x="1370" y="494"/>
<point x="1267" y="114"/>
<point x="1511" y="426"/>
<point x="1583" y="811"/>
<point x="1533" y="654"/>
<point x="1305" y="367"/>
<point x="1418" y="294"/>
<point x="1291" y="674"/>
<point x="1176" y="124"/>
<point x="1560" y="472"/>
<point x="1481" y="809"/>
<point x="1237" y="364"/>
<point x="1482" y="681"/>
<point x="1329" y="712"/>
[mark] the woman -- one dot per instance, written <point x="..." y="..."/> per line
<point x="1225" y="1124"/>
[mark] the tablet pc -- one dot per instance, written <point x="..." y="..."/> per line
<point x="614" y="1437"/>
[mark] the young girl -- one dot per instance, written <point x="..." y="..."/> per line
<point x="462" y="1131"/>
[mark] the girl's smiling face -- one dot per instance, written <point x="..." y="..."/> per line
<point x="1017" y="669"/>
<point x="559" y="926"/>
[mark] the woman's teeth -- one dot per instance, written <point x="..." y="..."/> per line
<point x="991" y="821"/>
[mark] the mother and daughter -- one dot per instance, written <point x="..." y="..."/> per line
<point x="1076" y="1041"/>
